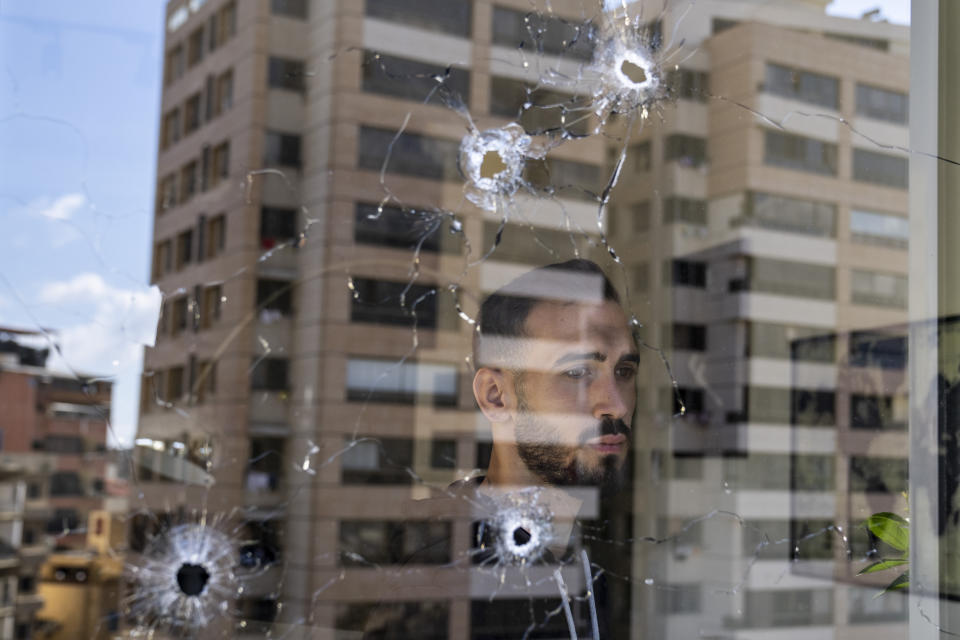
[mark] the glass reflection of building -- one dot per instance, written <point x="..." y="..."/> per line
<point x="287" y="367"/>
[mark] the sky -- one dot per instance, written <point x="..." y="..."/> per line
<point x="79" y="103"/>
<point x="79" y="113"/>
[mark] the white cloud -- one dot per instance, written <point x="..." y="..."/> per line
<point x="62" y="208"/>
<point x="117" y="323"/>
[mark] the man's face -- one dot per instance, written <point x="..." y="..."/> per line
<point x="576" y="393"/>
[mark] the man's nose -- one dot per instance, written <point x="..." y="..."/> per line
<point x="609" y="399"/>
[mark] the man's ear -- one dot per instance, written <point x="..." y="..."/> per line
<point x="494" y="394"/>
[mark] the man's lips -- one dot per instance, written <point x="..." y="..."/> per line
<point x="608" y="443"/>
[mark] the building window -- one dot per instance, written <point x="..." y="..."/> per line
<point x="443" y="454"/>
<point x="189" y="184"/>
<point x="289" y="8"/>
<point x="776" y="405"/>
<point x="873" y="349"/>
<point x="689" y="337"/>
<point x="882" y="229"/>
<point x="277" y="226"/>
<point x="674" y="599"/>
<point x="270" y="374"/>
<point x="538" y="109"/>
<point x="687" y="466"/>
<point x="789" y="607"/>
<point x="687" y="400"/>
<point x="388" y="542"/>
<point x="880" y="168"/>
<point x="174" y="65"/>
<point x="493" y="619"/>
<point x="882" y="104"/>
<point x="223" y="93"/>
<point x="685" y="273"/>
<point x="167" y="193"/>
<point x="688" y="84"/>
<point x="220" y="167"/>
<point x="802" y="344"/>
<point x="212" y="301"/>
<point x="880" y="289"/>
<point x="878" y="412"/>
<point x="387" y="226"/>
<point x="283" y="73"/>
<point x="266" y="464"/>
<point x="174" y="389"/>
<point x="374" y="380"/>
<point x="531" y="31"/>
<point x="411" y="79"/>
<point x="162" y="259"/>
<point x="227" y="22"/>
<point x="191" y="109"/>
<point x="275" y="295"/>
<point x="677" y="210"/>
<point x="179" y="307"/>
<point x="687" y="151"/>
<point x="206" y="384"/>
<point x="170" y="131"/>
<point x="184" y="248"/>
<point x="566" y="178"/>
<point x="780" y="472"/>
<point x="805" y="86"/>
<point x="793" y="215"/>
<point x="866" y="608"/>
<point x="195" y="47"/>
<point x="261" y="543"/>
<point x="63" y="444"/>
<point x="412" y="154"/>
<point x="394" y="303"/>
<point x="785" y="278"/>
<point x="796" y="152"/>
<point x="216" y="236"/>
<point x="423" y="620"/>
<point x="63" y="520"/>
<point x="871" y="43"/>
<point x="449" y="16"/>
<point x="878" y="475"/>
<point x="281" y="149"/>
<point x="377" y="461"/>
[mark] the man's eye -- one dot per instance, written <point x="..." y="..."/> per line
<point x="577" y="373"/>
<point x="627" y="372"/>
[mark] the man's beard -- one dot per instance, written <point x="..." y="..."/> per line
<point x="553" y="463"/>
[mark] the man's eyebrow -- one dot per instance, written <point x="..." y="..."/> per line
<point x="577" y="357"/>
<point x="630" y="357"/>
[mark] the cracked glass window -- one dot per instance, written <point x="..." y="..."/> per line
<point x="479" y="319"/>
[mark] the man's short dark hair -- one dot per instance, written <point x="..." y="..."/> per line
<point x="504" y="312"/>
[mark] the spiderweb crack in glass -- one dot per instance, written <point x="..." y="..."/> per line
<point x="493" y="161"/>
<point x="184" y="579"/>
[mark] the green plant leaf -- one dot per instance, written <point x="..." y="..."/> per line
<point x="902" y="581"/>
<point x="882" y="565"/>
<point x="890" y="528"/>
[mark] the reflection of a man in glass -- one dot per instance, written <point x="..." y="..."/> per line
<point x="556" y="368"/>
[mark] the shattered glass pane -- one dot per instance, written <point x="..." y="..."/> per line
<point x="478" y="319"/>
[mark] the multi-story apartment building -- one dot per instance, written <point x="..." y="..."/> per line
<point x="310" y="375"/>
<point x="24" y="510"/>
<point x="768" y="215"/>
<point x="65" y="416"/>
